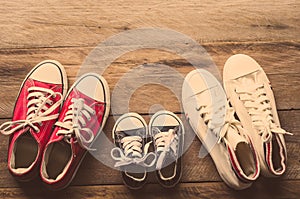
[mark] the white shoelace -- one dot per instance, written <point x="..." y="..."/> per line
<point x="132" y="145"/>
<point x="165" y="142"/>
<point x="224" y="119"/>
<point x="260" y="110"/>
<point x="230" y="122"/>
<point x="73" y="122"/>
<point x="40" y="106"/>
<point x="214" y="119"/>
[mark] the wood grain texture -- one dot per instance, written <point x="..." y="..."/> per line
<point x="67" y="31"/>
<point x="195" y="169"/>
<point x="279" y="60"/>
<point x="54" y="23"/>
<point x="264" y="188"/>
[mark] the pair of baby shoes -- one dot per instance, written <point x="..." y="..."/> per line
<point x="133" y="155"/>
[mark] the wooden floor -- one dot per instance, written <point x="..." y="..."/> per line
<point x="67" y="31"/>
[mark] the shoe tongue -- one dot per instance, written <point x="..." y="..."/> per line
<point x="234" y="138"/>
<point x="120" y="135"/>
<point x="205" y="92"/>
<point x="38" y="83"/>
<point x="250" y="80"/>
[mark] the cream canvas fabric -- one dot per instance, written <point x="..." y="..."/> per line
<point x="206" y="108"/>
<point x="250" y="93"/>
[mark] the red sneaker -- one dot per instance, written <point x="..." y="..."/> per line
<point x="35" y="112"/>
<point x="83" y="115"/>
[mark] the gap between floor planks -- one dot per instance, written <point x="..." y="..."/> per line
<point x="41" y="24"/>
<point x="279" y="60"/>
<point x="194" y="168"/>
<point x="264" y="188"/>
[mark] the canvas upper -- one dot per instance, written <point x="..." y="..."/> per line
<point x="35" y="112"/>
<point x="214" y="122"/>
<point x="167" y="133"/>
<point x="250" y="93"/>
<point x="81" y="120"/>
<point x="132" y="156"/>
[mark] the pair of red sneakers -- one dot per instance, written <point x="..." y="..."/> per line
<point x="52" y="130"/>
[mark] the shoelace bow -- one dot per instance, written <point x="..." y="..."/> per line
<point x="132" y="152"/>
<point x="230" y="122"/>
<point x="40" y="106"/>
<point x="73" y="122"/>
<point x="165" y="142"/>
<point x="222" y="113"/>
<point x="259" y="108"/>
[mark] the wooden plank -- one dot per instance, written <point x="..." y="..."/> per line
<point x="280" y="61"/>
<point x="275" y="57"/>
<point x="43" y="24"/>
<point x="266" y="30"/>
<point x="285" y="87"/>
<point x="264" y="188"/>
<point x="195" y="169"/>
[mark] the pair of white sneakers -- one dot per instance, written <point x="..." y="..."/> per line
<point x="242" y="135"/>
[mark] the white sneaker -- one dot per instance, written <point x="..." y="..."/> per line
<point x="207" y="110"/>
<point x="250" y="93"/>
